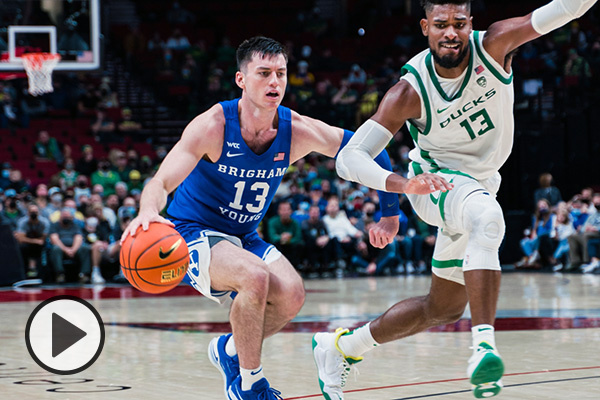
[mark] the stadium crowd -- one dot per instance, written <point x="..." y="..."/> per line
<point x="68" y="224"/>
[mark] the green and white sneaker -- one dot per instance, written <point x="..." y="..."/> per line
<point x="485" y="371"/>
<point x="333" y="365"/>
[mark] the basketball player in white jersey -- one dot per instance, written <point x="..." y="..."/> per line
<point x="457" y="100"/>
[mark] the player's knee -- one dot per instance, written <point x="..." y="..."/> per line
<point x="486" y="221"/>
<point x="255" y="281"/>
<point x="289" y="298"/>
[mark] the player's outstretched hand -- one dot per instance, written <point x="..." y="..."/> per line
<point x="143" y="219"/>
<point x="384" y="231"/>
<point x="426" y="183"/>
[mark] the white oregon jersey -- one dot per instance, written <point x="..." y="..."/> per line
<point x="470" y="131"/>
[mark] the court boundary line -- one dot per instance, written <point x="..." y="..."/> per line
<point x="460" y="379"/>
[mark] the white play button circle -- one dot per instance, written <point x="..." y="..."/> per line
<point x="64" y="335"/>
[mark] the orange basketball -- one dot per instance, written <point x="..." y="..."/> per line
<point x="155" y="260"/>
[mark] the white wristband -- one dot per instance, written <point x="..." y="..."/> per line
<point x="355" y="162"/>
<point x="557" y="13"/>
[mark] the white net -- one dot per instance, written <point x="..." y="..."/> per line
<point x="39" y="67"/>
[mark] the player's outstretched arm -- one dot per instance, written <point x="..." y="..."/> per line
<point x="355" y="162"/>
<point x="203" y="136"/>
<point x="505" y="36"/>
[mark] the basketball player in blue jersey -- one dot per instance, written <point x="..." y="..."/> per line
<point x="457" y="99"/>
<point x="226" y="168"/>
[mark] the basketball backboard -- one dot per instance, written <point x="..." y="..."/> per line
<point x="68" y="27"/>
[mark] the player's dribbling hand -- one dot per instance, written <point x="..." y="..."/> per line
<point x="143" y="219"/>
<point x="426" y="183"/>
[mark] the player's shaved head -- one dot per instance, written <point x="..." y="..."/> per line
<point x="428" y="4"/>
<point x="263" y="46"/>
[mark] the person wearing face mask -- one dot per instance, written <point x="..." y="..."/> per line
<point x="66" y="238"/>
<point x="106" y="177"/>
<point x="579" y="242"/>
<point x="32" y="231"/>
<point x="4" y="175"/>
<point x="67" y="177"/>
<point x="11" y="212"/>
<point x="537" y="243"/>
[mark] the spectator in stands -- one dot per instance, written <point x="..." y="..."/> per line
<point x="579" y="241"/>
<point x="31" y="233"/>
<point x="47" y="148"/>
<point x="67" y="239"/>
<point x="342" y="231"/>
<point x="41" y="198"/>
<point x="81" y="188"/>
<point x="123" y="221"/>
<point x="129" y="207"/>
<point x="56" y="202"/>
<point x="577" y="73"/>
<point x="17" y="182"/>
<point x="135" y="180"/>
<point x="11" y="211"/>
<point x="88" y="102"/>
<point x="177" y="41"/>
<point x="97" y="236"/>
<point x="370" y="260"/>
<point x="70" y="205"/>
<point x="547" y="190"/>
<point x="9" y="112"/>
<point x="67" y="177"/>
<point x="563" y="229"/>
<point x="87" y="164"/>
<point x="105" y="177"/>
<point x="5" y="175"/>
<point x="127" y="125"/>
<point x="302" y="77"/>
<point x="316" y="197"/>
<point x="537" y="244"/>
<point x="357" y="75"/>
<point x="121" y="190"/>
<point x="319" y="250"/>
<point x="118" y="160"/>
<point x="367" y="105"/>
<point x="285" y="233"/>
<point x="578" y="211"/>
<point x="104" y="128"/>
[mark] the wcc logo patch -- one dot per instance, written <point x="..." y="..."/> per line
<point x="482" y="81"/>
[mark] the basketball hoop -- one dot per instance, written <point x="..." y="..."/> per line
<point x="39" y="67"/>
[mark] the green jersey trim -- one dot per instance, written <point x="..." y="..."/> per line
<point x="446" y="264"/>
<point x="436" y="82"/>
<point x="409" y="68"/>
<point x="488" y="64"/>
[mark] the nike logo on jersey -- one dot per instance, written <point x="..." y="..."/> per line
<point x="164" y="255"/>
<point x="229" y="154"/>
<point x="442" y="110"/>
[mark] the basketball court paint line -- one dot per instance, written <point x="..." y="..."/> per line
<point x="464" y="379"/>
<point x="464" y="325"/>
<point x="102" y="292"/>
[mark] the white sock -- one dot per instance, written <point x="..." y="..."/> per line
<point x="230" y="347"/>
<point x="96" y="269"/>
<point x="357" y="342"/>
<point x="249" y="376"/>
<point x="483" y="333"/>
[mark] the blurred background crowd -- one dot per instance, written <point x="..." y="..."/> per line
<point x="74" y="162"/>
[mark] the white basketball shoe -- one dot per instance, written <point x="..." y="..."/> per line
<point x="333" y="365"/>
<point x="485" y="371"/>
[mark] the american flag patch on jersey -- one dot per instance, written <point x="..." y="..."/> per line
<point x="279" y="157"/>
<point x="479" y="69"/>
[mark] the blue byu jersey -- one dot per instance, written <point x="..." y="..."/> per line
<point x="233" y="194"/>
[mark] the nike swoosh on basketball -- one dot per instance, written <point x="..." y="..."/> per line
<point x="164" y="255"/>
<point x="442" y="110"/>
<point x="234" y="155"/>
